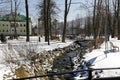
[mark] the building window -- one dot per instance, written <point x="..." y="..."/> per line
<point x="24" y="25"/>
<point x="20" y="25"/>
<point x="14" y="24"/>
<point x="3" y="30"/>
<point x="3" y="24"/>
<point x="24" y="30"/>
<point x="6" y="30"/>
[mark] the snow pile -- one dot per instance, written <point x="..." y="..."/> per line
<point x="39" y="46"/>
<point x="104" y="58"/>
<point x="98" y="58"/>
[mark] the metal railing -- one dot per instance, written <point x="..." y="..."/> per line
<point x="77" y="71"/>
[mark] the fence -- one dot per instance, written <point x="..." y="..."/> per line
<point x="72" y="72"/>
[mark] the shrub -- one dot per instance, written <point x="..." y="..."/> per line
<point x="3" y="38"/>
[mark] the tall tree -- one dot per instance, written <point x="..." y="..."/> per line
<point x="55" y="26"/>
<point x="48" y="19"/>
<point x="53" y="9"/>
<point x="100" y="17"/>
<point x="45" y="18"/>
<point x="118" y="18"/>
<point x="14" y="10"/>
<point x="67" y="8"/>
<point x="15" y="18"/>
<point x="108" y="19"/>
<point x="88" y="28"/>
<point x="114" y="25"/>
<point x="27" y="20"/>
<point x="47" y="9"/>
<point x="94" y="22"/>
<point x="4" y="8"/>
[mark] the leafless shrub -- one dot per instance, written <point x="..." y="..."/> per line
<point x="10" y="55"/>
<point x="27" y="54"/>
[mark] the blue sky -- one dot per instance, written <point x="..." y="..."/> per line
<point x="74" y="10"/>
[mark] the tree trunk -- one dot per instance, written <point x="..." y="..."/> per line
<point x="108" y="20"/>
<point x="45" y="29"/>
<point x="15" y="24"/>
<point x="118" y="19"/>
<point x="65" y="19"/>
<point x="50" y="28"/>
<point x="114" y="26"/>
<point x="11" y="35"/>
<point x="27" y="21"/>
<point x="65" y="22"/>
<point x="48" y="19"/>
<point x="94" y="23"/>
<point x="100" y="16"/>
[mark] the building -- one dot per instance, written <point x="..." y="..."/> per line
<point x="9" y="24"/>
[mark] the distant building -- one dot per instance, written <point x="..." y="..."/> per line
<point x="8" y="23"/>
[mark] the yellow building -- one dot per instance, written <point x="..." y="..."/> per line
<point x="9" y="24"/>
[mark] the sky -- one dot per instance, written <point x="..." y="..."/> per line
<point x="60" y="13"/>
<point x="75" y="10"/>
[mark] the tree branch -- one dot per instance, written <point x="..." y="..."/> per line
<point x="68" y="8"/>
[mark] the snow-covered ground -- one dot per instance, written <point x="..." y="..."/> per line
<point x="99" y="58"/>
<point x="105" y="58"/>
<point x="21" y="42"/>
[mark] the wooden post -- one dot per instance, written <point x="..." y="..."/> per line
<point x="90" y="75"/>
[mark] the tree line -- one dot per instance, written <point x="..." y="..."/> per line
<point x="104" y="19"/>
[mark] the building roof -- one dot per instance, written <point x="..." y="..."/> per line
<point x="11" y="17"/>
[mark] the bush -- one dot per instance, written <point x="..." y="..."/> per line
<point x="3" y="38"/>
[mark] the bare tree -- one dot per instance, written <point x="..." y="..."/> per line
<point x="94" y="21"/>
<point x="114" y="25"/>
<point x="118" y="18"/>
<point x="108" y="19"/>
<point x="98" y="13"/>
<point x="67" y="8"/>
<point x="47" y="11"/>
<point x="55" y="26"/>
<point x="11" y="7"/>
<point x="15" y="18"/>
<point x="3" y="6"/>
<point x="48" y="18"/>
<point x="14" y="15"/>
<point x="100" y="16"/>
<point x="88" y="26"/>
<point x="27" y="20"/>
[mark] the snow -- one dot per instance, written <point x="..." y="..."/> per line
<point x="4" y="69"/>
<point x="99" y="58"/>
<point x="102" y="58"/>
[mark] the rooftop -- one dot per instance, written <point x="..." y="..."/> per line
<point x="11" y="17"/>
